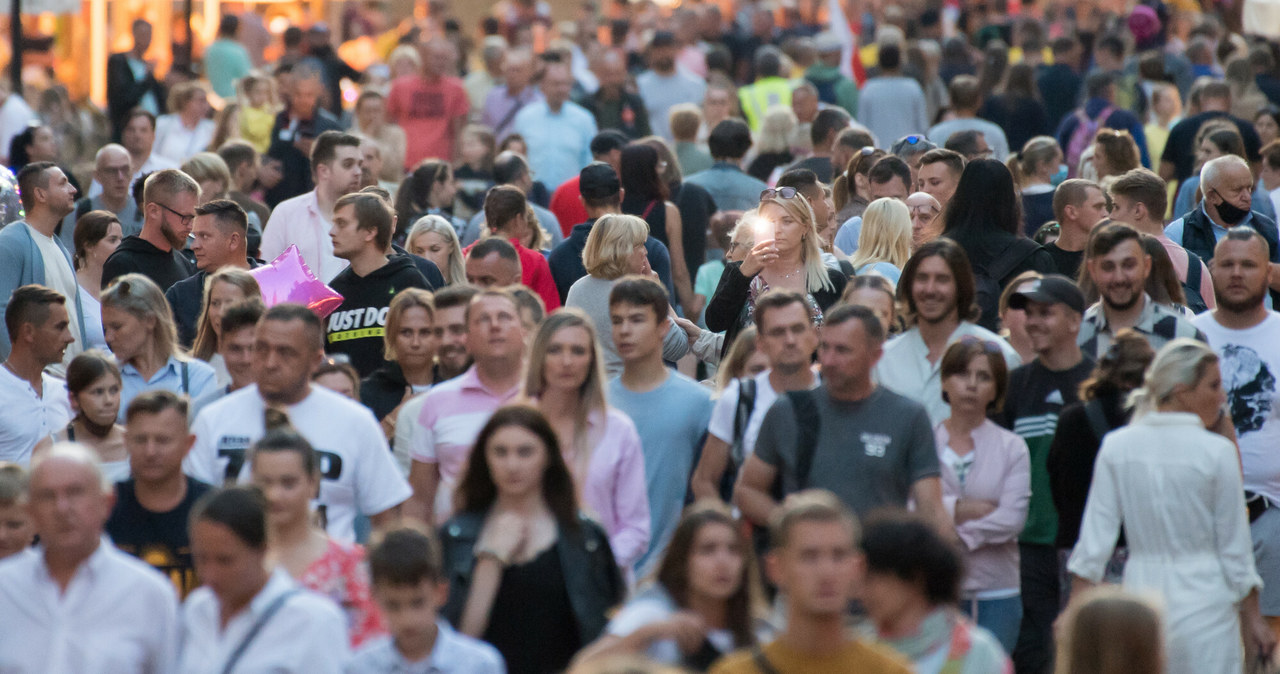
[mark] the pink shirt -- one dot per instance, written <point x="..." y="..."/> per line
<point x="1178" y="256"/>
<point x="453" y="413"/>
<point x="299" y="221"/>
<point x="614" y="492"/>
<point x="1001" y="473"/>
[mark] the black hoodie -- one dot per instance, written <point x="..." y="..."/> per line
<point x="137" y="255"/>
<point x="357" y="326"/>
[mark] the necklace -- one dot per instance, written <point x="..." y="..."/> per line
<point x="793" y="273"/>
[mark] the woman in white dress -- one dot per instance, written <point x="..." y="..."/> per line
<point x="1176" y="489"/>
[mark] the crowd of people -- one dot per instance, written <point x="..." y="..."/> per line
<point x="721" y="337"/>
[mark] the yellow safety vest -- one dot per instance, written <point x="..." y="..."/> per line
<point x="758" y="97"/>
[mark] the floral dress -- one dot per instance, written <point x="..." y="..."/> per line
<point x="341" y="575"/>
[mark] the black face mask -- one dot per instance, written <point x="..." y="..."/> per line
<point x="1229" y="212"/>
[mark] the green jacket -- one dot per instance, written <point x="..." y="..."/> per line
<point x="833" y="86"/>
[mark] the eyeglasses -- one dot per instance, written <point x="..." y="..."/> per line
<point x="988" y="346"/>
<point x="779" y="193"/>
<point x="183" y="218"/>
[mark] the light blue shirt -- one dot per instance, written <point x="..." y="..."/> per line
<point x="559" y="142"/>
<point x="730" y="188"/>
<point x="474" y="228"/>
<point x="660" y="92"/>
<point x="847" y="235"/>
<point x="200" y="380"/>
<point x="672" y="421"/>
<point x="453" y="653"/>
<point x="884" y="269"/>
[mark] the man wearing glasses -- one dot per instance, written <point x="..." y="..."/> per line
<point x="111" y="169"/>
<point x="169" y="201"/>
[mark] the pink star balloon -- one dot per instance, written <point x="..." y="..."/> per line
<point x="288" y="279"/>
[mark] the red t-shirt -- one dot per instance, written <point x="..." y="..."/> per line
<point x="425" y="110"/>
<point x="566" y="205"/>
<point x="535" y="274"/>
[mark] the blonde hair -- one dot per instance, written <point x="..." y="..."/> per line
<point x="182" y="93"/>
<point x="406" y="52"/>
<point x="204" y="166"/>
<point x="591" y="398"/>
<point x="454" y="272"/>
<point x="734" y="363"/>
<point x="206" y="342"/>
<point x="244" y="84"/>
<point x="816" y="277"/>
<point x="885" y="235"/>
<point x="403" y="301"/>
<point x="140" y="297"/>
<point x="1035" y="153"/>
<point x="1181" y="362"/>
<point x="1110" y="631"/>
<point x="776" y="128"/>
<point x="610" y="243"/>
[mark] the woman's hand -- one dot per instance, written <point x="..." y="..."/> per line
<point x="505" y="535"/>
<point x="690" y="328"/>
<point x="688" y="630"/>
<point x="760" y="256"/>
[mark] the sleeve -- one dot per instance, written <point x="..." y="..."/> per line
<point x="379" y="484"/>
<point x="407" y="428"/>
<point x="202" y="379"/>
<point x="329" y="649"/>
<point x="122" y="89"/>
<point x="1103" y="516"/>
<point x="1231" y="523"/>
<point x="922" y="447"/>
<point x="631" y="503"/>
<point x="166" y="618"/>
<point x="725" y="306"/>
<point x="676" y="342"/>
<point x="201" y="463"/>
<point x="11" y="268"/>
<point x="778" y="433"/>
<point x="274" y="237"/>
<point x="708" y="347"/>
<point x="545" y="286"/>
<point x="635" y="614"/>
<point x="723" y="413"/>
<point x="1006" y="521"/>
<point x="394" y="111"/>
<point x="423" y="447"/>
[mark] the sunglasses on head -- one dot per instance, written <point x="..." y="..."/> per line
<point x="987" y="345"/>
<point x="913" y="139"/>
<point x="779" y="193"/>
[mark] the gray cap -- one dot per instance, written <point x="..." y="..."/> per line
<point x="1052" y="289"/>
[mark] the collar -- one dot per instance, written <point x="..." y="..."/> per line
<point x="471" y="380"/>
<point x="278" y="583"/>
<point x="1244" y="222"/>
<point x="171" y="365"/>
<point x="94" y="566"/>
<point x="724" y="165"/>
<point x="1145" y="319"/>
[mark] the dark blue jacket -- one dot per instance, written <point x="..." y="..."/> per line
<point x="566" y="265"/>
<point x="1120" y="119"/>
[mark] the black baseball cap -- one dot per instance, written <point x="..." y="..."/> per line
<point x="607" y="141"/>
<point x="598" y="181"/>
<point x="1052" y="289"/>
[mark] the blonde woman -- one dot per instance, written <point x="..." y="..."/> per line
<point x="139" y="329"/>
<point x="1037" y="169"/>
<point x="1194" y="550"/>
<point x="221" y="289"/>
<point x="209" y="169"/>
<point x="187" y="130"/>
<point x="600" y="444"/>
<point x="884" y="244"/>
<point x="785" y="255"/>
<point x="433" y="238"/>
<point x="614" y="249"/>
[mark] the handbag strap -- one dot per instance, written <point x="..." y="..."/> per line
<point x="257" y="627"/>
<point x="761" y="662"/>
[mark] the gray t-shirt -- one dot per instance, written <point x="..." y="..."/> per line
<point x="868" y="452"/>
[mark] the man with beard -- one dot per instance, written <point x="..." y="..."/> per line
<point x="1227" y="184"/>
<point x="938" y="287"/>
<point x="169" y="199"/>
<point x="1119" y="267"/>
<point x="1246" y="336"/>
<point x="1038" y="392"/>
<point x="31" y="254"/>
<point x="306" y="219"/>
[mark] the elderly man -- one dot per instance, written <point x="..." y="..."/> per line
<point x="1227" y="185"/>
<point x="76" y="603"/>
<point x="558" y="131"/>
<point x="113" y="170"/>
<point x="506" y="100"/>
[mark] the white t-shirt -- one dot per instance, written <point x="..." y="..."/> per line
<point x="1250" y="362"/>
<point x="653" y="606"/>
<point x="26" y="418"/>
<point x="727" y="408"/>
<point x="358" y="471"/>
<point x="59" y="276"/>
<point x="93" y="322"/>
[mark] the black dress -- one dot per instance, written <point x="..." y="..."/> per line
<point x="532" y="622"/>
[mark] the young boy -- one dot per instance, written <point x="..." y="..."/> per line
<point x="16" y="531"/>
<point x="410" y="588"/>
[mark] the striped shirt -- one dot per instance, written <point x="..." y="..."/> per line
<point x="1158" y="323"/>
<point x="452" y="415"/>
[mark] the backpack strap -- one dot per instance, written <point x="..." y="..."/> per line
<point x="1010" y="258"/>
<point x="742" y="414"/>
<point x="804" y="404"/>
<point x="1193" y="271"/>
<point x="256" y="628"/>
<point x="761" y="662"/>
<point x="186" y="379"/>
<point x="1097" y="418"/>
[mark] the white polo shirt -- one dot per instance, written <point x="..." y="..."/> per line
<point x="306" y="635"/>
<point x="299" y="221"/>
<point x="117" y="616"/>
<point x="26" y="418"/>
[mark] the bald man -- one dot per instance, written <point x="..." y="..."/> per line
<point x="112" y="169"/>
<point x="76" y="584"/>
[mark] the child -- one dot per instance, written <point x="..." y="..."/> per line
<point x="410" y="588"/>
<point x="16" y="531"/>
<point x="475" y="172"/>
<point x="257" y="109"/>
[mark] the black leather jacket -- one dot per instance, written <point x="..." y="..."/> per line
<point x="594" y="582"/>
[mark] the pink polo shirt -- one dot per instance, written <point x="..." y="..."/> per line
<point x="453" y="413"/>
<point x="299" y="221"/>
<point x="614" y="492"/>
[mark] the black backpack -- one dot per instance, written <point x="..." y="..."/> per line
<point x="737" y="453"/>
<point x="989" y="279"/>
<point x="1191" y="287"/>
